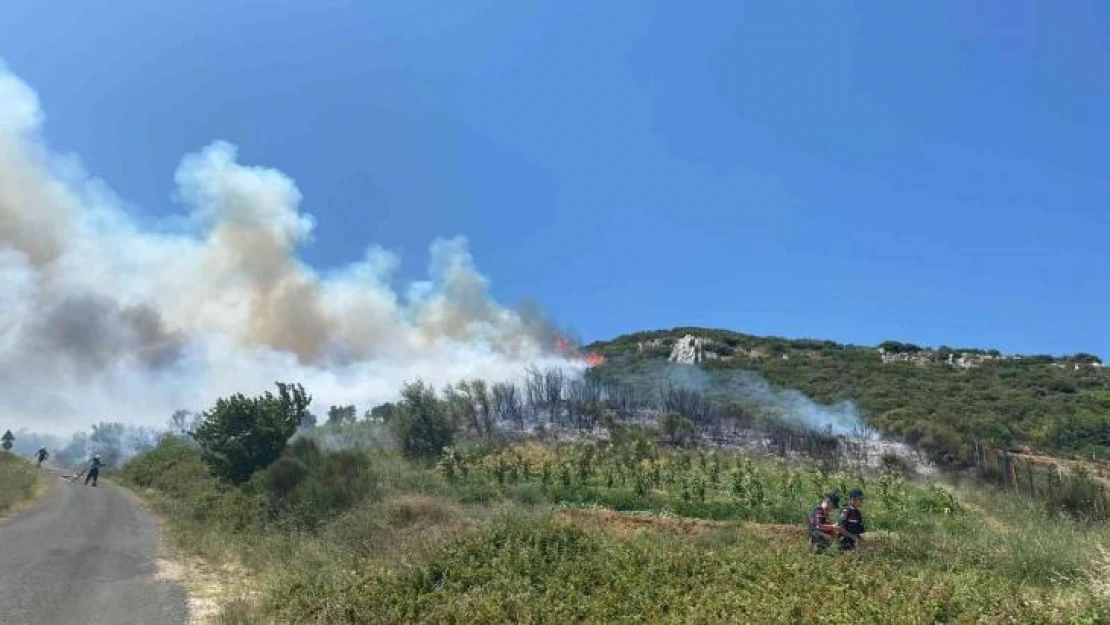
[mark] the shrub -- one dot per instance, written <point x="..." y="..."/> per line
<point x="893" y="463"/>
<point x="242" y="435"/>
<point x="422" y="426"/>
<point x="18" y="478"/>
<point x="679" y="430"/>
<point x="307" y="485"/>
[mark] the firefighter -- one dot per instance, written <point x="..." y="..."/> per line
<point x="822" y="531"/>
<point x="850" y="521"/>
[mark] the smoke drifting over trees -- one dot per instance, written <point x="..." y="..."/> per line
<point x="103" y="318"/>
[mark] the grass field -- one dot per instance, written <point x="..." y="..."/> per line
<point x="613" y="533"/>
<point x="20" y="482"/>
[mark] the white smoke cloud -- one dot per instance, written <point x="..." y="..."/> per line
<point x="103" y="319"/>
<point x="791" y="405"/>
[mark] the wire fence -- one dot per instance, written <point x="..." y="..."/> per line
<point x="1072" y="487"/>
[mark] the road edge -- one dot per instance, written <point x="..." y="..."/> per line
<point x="41" y="487"/>
<point x="208" y="586"/>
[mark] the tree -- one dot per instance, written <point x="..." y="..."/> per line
<point x="483" y="404"/>
<point x="554" y="381"/>
<point x="688" y="403"/>
<point x="241" y="435"/>
<point x="679" y="430"/>
<point x="422" y="426"/>
<point x="383" y="413"/>
<point x="469" y="404"/>
<point x="507" y="404"/>
<point x="533" y="386"/>
<point x="340" y="415"/>
<point x="8" y="439"/>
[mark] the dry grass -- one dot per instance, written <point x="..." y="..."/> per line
<point x="209" y="586"/>
<point x="1098" y="572"/>
<point x="23" y="484"/>
<point x="400" y="529"/>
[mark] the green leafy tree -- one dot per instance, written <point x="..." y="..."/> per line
<point x="8" y="439"/>
<point x="241" y="435"/>
<point x="423" y="424"/>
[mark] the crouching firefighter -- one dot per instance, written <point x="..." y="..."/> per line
<point x="850" y="521"/>
<point x="822" y="531"/>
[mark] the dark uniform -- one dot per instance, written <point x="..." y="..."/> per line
<point x="851" y="520"/>
<point x="94" y="471"/>
<point x="818" y="539"/>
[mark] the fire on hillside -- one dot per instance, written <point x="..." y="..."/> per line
<point x="567" y="349"/>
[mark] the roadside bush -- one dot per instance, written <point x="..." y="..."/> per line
<point x="173" y="467"/>
<point x="241" y="435"/>
<point x="307" y="485"/>
<point x="422" y="425"/>
<point x="18" y="478"/>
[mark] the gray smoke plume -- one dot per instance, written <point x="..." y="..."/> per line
<point x="841" y="418"/>
<point x="748" y="387"/>
<point x="102" y="319"/>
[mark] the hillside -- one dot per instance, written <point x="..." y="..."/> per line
<point x="941" y="399"/>
<point x="438" y="510"/>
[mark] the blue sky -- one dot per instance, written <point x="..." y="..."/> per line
<point x="930" y="172"/>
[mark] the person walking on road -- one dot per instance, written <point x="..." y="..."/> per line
<point x="93" y="470"/>
<point x="42" y="455"/>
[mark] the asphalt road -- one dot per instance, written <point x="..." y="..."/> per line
<point x="84" y="555"/>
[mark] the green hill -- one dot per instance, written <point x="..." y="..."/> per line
<point x="941" y="399"/>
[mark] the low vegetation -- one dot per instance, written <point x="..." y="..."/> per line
<point x="19" y="482"/>
<point x="627" y="528"/>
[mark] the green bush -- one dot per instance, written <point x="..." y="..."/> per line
<point x="241" y="435"/>
<point x="18" y="479"/>
<point x="422" y="425"/>
<point x="308" y="486"/>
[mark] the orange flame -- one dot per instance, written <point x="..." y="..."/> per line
<point x="594" y="359"/>
<point x="567" y="349"/>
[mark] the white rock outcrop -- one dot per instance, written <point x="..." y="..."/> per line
<point x="688" y="350"/>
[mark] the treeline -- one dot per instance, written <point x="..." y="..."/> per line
<point x="556" y="399"/>
<point x="1036" y="401"/>
<point x="114" y="442"/>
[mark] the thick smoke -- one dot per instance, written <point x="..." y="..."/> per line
<point x="103" y="319"/>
